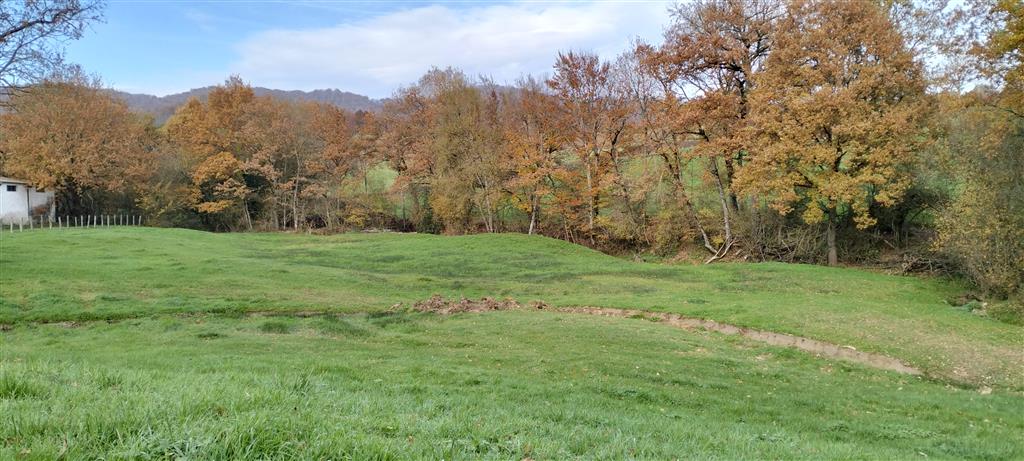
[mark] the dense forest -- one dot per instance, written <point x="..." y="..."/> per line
<point x="886" y="133"/>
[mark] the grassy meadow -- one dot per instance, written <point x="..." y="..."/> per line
<point x="141" y="343"/>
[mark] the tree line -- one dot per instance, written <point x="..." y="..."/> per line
<point x="822" y="131"/>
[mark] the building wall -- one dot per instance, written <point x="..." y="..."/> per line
<point x="16" y="206"/>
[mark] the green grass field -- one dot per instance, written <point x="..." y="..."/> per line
<point x="135" y="343"/>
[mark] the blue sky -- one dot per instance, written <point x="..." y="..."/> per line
<point x="372" y="48"/>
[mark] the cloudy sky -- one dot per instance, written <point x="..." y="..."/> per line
<point x="371" y="48"/>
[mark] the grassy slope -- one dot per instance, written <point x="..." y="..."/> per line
<point x="130" y="272"/>
<point x="506" y="385"/>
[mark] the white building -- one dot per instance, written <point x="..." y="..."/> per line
<point x="19" y="202"/>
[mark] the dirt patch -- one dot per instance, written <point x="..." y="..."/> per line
<point x="847" y="353"/>
<point x="439" y="305"/>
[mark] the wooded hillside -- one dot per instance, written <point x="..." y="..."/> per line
<point x="826" y="131"/>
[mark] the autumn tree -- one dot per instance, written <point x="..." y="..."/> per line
<point x="443" y="137"/>
<point x="278" y="147"/>
<point x="982" y="226"/>
<point x="343" y="150"/>
<point x="214" y="150"/>
<point x="467" y="175"/>
<point x="220" y="186"/>
<point x="205" y="128"/>
<point x="595" y="118"/>
<point x="404" y="144"/>
<point x="706" y="69"/>
<point x="837" y="114"/>
<point x="72" y="137"/>
<point x="532" y="140"/>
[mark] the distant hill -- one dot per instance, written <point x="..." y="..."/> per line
<point x="162" y="107"/>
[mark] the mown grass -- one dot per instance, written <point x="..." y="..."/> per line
<point x="503" y="385"/>
<point x="90" y="274"/>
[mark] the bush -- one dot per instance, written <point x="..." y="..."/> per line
<point x="1009" y="311"/>
<point x="982" y="229"/>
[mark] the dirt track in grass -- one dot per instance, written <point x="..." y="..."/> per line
<point x="442" y="306"/>
<point x="847" y="353"/>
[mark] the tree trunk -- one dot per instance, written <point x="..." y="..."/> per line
<point x="830" y="237"/>
<point x="295" y="205"/>
<point x="533" y="213"/>
<point x="248" y="217"/>
<point x="723" y="196"/>
<point x="729" y="173"/>
<point x="590" y="204"/>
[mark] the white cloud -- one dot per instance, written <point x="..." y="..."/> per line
<point x="376" y="55"/>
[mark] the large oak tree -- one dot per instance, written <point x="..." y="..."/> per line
<point x="838" y="113"/>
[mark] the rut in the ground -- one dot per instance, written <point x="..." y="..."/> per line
<point x="814" y="346"/>
<point x="440" y="305"/>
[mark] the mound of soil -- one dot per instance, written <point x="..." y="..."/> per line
<point x="439" y="305"/>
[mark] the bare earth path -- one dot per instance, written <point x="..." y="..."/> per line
<point x="813" y="346"/>
<point x="438" y="304"/>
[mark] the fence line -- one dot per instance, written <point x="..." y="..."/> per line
<point x="72" y="222"/>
